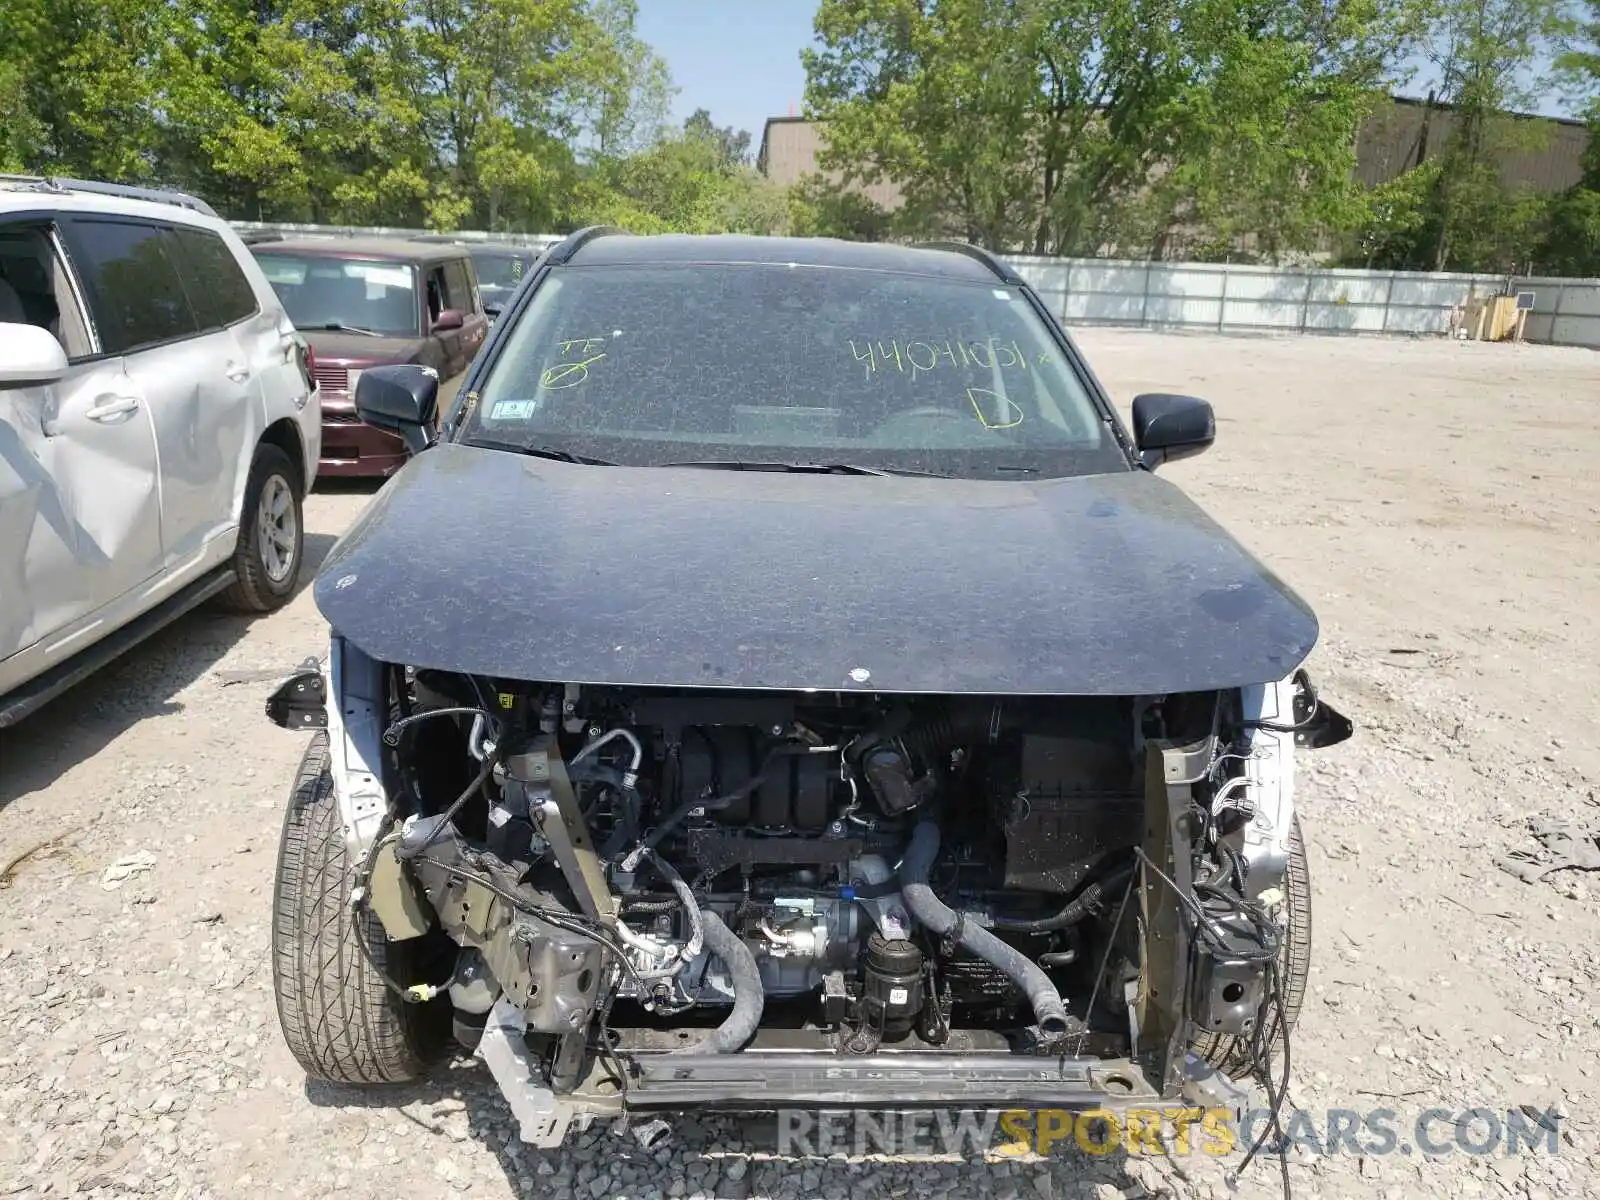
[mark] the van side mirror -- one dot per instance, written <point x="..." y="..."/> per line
<point x="401" y="399"/>
<point x="29" y="356"/>
<point x="1168" y="427"/>
<point x="449" y="319"/>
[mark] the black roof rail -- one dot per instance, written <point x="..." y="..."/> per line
<point x="563" y="250"/>
<point x="127" y="191"/>
<point x="974" y="252"/>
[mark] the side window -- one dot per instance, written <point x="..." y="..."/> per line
<point x="136" y="295"/>
<point x="35" y="288"/>
<point x="458" y="287"/>
<point x="217" y="288"/>
<point x="436" y="293"/>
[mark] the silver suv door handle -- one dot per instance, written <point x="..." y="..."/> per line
<point x="236" y="372"/>
<point x="109" y="407"/>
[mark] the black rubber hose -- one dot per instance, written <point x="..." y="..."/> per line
<point x="749" y="997"/>
<point x="1084" y="905"/>
<point x="941" y="919"/>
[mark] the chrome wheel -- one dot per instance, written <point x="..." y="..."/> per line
<point x="277" y="529"/>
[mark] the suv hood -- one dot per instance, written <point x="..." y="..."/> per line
<point x="498" y="564"/>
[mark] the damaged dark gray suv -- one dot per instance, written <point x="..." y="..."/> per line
<point x="782" y="680"/>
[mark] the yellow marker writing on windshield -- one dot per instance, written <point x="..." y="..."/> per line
<point x="571" y="374"/>
<point x="1007" y="414"/>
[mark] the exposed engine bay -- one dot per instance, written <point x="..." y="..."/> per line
<point x="625" y="884"/>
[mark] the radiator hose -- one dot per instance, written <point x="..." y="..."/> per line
<point x="749" y="997"/>
<point x="1089" y="901"/>
<point x="938" y="917"/>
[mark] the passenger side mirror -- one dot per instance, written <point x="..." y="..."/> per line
<point x="29" y="356"/>
<point x="449" y="319"/>
<point x="1167" y="427"/>
<point x="401" y="399"/>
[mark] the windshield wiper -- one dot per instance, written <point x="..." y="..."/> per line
<point x="540" y="452"/>
<point x="341" y="327"/>
<point x="803" y="468"/>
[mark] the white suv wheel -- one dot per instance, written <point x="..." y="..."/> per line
<point x="277" y="529"/>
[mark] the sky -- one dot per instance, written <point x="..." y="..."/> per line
<point x="738" y="58"/>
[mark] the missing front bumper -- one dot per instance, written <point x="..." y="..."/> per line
<point x="765" y="1080"/>
<point x="768" y="1079"/>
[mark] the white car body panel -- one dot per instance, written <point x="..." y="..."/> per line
<point x="80" y="518"/>
<point x="1270" y="770"/>
<point x="123" y="482"/>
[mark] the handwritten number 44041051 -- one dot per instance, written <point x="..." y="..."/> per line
<point x="921" y="357"/>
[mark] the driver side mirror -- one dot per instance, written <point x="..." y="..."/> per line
<point x="449" y="319"/>
<point x="29" y="356"/>
<point x="401" y="399"/>
<point x="1167" y="427"/>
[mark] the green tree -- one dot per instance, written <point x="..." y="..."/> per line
<point x="821" y="208"/>
<point x="691" y="182"/>
<point x="441" y="112"/>
<point x="86" y="74"/>
<point x="1571" y="243"/>
<point x="1491" y="57"/>
<point x="1578" y="65"/>
<point x="1071" y="126"/>
<point x="20" y="135"/>
<point x="733" y="145"/>
<point x="1262" y="137"/>
<point x="1572" y="237"/>
<point x="621" y="105"/>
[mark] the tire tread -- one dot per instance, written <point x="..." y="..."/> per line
<point x="341" y="1022"/>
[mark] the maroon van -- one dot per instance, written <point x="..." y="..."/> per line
<point x="368" y="302"/>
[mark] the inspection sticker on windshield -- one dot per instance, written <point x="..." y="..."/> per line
<point x="513" y="410"/>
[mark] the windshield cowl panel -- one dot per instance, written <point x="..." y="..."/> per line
<point x="645" y="365"/>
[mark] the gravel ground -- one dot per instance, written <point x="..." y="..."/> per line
<point x="1436" y="503"/>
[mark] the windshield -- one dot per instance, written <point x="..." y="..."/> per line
<point x="500" y="268"/>
<point x="367" y="294"/>
<point x="647" y="365"/>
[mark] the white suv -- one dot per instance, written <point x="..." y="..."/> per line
<point x="159" y="427"/>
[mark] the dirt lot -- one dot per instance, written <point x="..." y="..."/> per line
<point x="1438" y="504"/>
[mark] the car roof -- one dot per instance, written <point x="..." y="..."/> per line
<point x="944" y="260"/>
<point x="21" y="193"/>
<point x="395" y="249"/>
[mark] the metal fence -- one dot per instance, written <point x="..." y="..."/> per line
<point x="1566" y="312"/>
<point x="1226" y="297"/>
<point x="1223" y="296"/>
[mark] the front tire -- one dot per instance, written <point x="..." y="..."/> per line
<point x="342" y="1022"/>
<point x="266" y="562"/>
<point x="1233" y="1055"/>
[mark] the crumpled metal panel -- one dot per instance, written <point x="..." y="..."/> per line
<point x="79" y="518"/>
<point x="503" y="565"/>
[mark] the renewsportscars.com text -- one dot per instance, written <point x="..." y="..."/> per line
<point x="969" y="1133"/>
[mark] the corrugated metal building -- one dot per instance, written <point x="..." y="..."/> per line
<point x="1392" y="141"/>
<point x="789" y="149"/>
<point x="1545" y="153"/>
